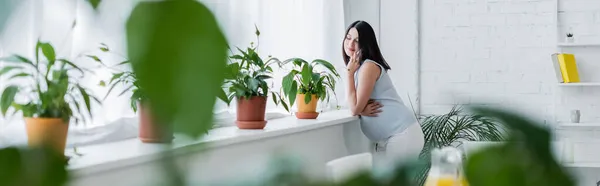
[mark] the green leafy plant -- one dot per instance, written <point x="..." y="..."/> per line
<point x="246" y="76"/>
<point x="119" y="76"/>
<point x="454" y="127"/>
<point x="51" y="87"/>
<point x="305" y="79"/>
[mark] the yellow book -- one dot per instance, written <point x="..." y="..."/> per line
<point x="568" y="68"/>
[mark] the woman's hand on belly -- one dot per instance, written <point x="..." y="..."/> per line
<point x="372" y="109"/>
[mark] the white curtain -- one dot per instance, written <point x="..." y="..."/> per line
<point x="309" y="29"/>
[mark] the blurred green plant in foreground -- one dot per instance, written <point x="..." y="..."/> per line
<point x="179" y="54"/>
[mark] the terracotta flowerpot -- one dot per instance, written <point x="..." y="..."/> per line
<point x="49" y="132"/>
<point x="150" y="130"/>
<point x="306" y="111"/>
<point x="251" y="112"/>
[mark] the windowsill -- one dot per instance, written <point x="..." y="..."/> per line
<point x="108" y="156"/>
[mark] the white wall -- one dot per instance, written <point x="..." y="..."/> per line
<point x="498" y="53"/>
<point x="399" y="45"/>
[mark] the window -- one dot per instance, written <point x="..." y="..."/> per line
<point x="289" y="28"/>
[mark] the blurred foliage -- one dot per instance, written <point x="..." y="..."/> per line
<point x="179" y="55"/>
<point x="32" y="167"/>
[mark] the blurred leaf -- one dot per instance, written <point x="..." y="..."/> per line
<point x="95" y="58"/>
<point x="257" y="32"/>
<point x="104" y="47"/>
<point x="122" y="63"/>
<point x="94" y="3"/>
<point x="32" y="167"/>
<point x="8" y="69"/>
<point x="102" y="84"/>
<point x="525" y="160"/>
<point x="179" y="54"/>
<point x="17" y="58"/>
<point x="71" y="64"/>
<point x="86" y="98"/>
<point x="8" y="97"/>
<point x="115" y="77"/>
<point x="23" y="74"/>
<point x="223" y="96"/>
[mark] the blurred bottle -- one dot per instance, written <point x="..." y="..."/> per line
<point x="446" y="168"/>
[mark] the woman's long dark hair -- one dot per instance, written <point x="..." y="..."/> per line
<point x="367" y="43"/>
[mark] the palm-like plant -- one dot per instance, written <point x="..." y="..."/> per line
<point x="303" y="79"/>
<point x="53" y="93"/>
<point x="454" y="127"/>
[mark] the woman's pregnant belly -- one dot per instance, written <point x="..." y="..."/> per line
<point x="394" y="117"/>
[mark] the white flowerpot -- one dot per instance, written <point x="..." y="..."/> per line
<point x="570" y="39"/>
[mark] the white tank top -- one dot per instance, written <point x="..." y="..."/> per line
<point x="395" y="116"/>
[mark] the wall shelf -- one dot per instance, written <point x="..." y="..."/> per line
<point x="582" y="165"/>
<point x="582" y="84"/>
<point x="579" y="44"/>
<point x="571" y="125"/>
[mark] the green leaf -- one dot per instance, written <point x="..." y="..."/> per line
<point x="8" y="69"/>
<point x="263" y="77"/>
<point x="102" y="84"/>
<point x="122" y="63"/>
<point x="307" y="98"/>
<point x="223" y="96"/>
<point x="49" y="52"/>
<point x="23" y="74"/>
<point x="71" y="64"/>
<point x="285" y="105"/>
<point x="95" y="58"/>
<point x="17" y="58"/>
<point x="86" y="98"/>
<point x="94" y="3"/>
<point x="287" y="83"/>
<point x="327" y="65"/>
<point x="306" y="75"/>
<point x="177" y="49"/>
<point x="257" y="32"/>
<point x="113" y="85"/>
<point x="8" y="97"/>
<point x="127" y="89"/>
<point x="104" y="47"/>
<point x="252" y="84"/>
<point x="275" y="98"/>
<point x="115" y="77"/>
<point x="293" y="93"/>
<point x="237" y="57"/>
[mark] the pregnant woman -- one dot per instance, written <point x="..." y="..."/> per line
<point x="384" y="119"/>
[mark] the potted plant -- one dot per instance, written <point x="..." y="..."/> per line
<point x="245" y="81"/>
<point x="54" y="96"/>
<point x="150" y="129"/>
<point x="454" y="127"/>
<point x="570" y="38"/>
<point x="305" y="85"/>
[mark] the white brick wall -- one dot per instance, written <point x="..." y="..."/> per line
<point x="497" y="52"/>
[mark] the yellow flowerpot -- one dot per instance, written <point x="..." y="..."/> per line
<point x="306" y="111"/>
<point x="49" y="132"/>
